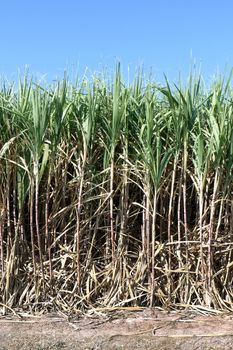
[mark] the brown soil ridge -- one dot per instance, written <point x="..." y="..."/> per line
<point x="118" y="329"/>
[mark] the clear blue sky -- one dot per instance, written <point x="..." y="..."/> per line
<point x="52" y="35"/>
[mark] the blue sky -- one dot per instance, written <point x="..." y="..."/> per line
<point x="50" y="36"/>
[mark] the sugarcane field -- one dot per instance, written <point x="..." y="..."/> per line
<point x="116" y="212"/>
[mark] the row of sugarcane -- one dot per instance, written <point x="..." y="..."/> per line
<point x="115" y="194"/>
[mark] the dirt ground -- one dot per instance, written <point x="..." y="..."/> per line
<point x="118" y="329"/>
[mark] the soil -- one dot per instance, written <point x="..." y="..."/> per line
<point x="130" y="328"/>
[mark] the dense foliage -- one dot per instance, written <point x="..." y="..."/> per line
<point x="115" y="195"/>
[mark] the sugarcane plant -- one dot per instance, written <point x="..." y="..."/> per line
<point x="115" y="194"/>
